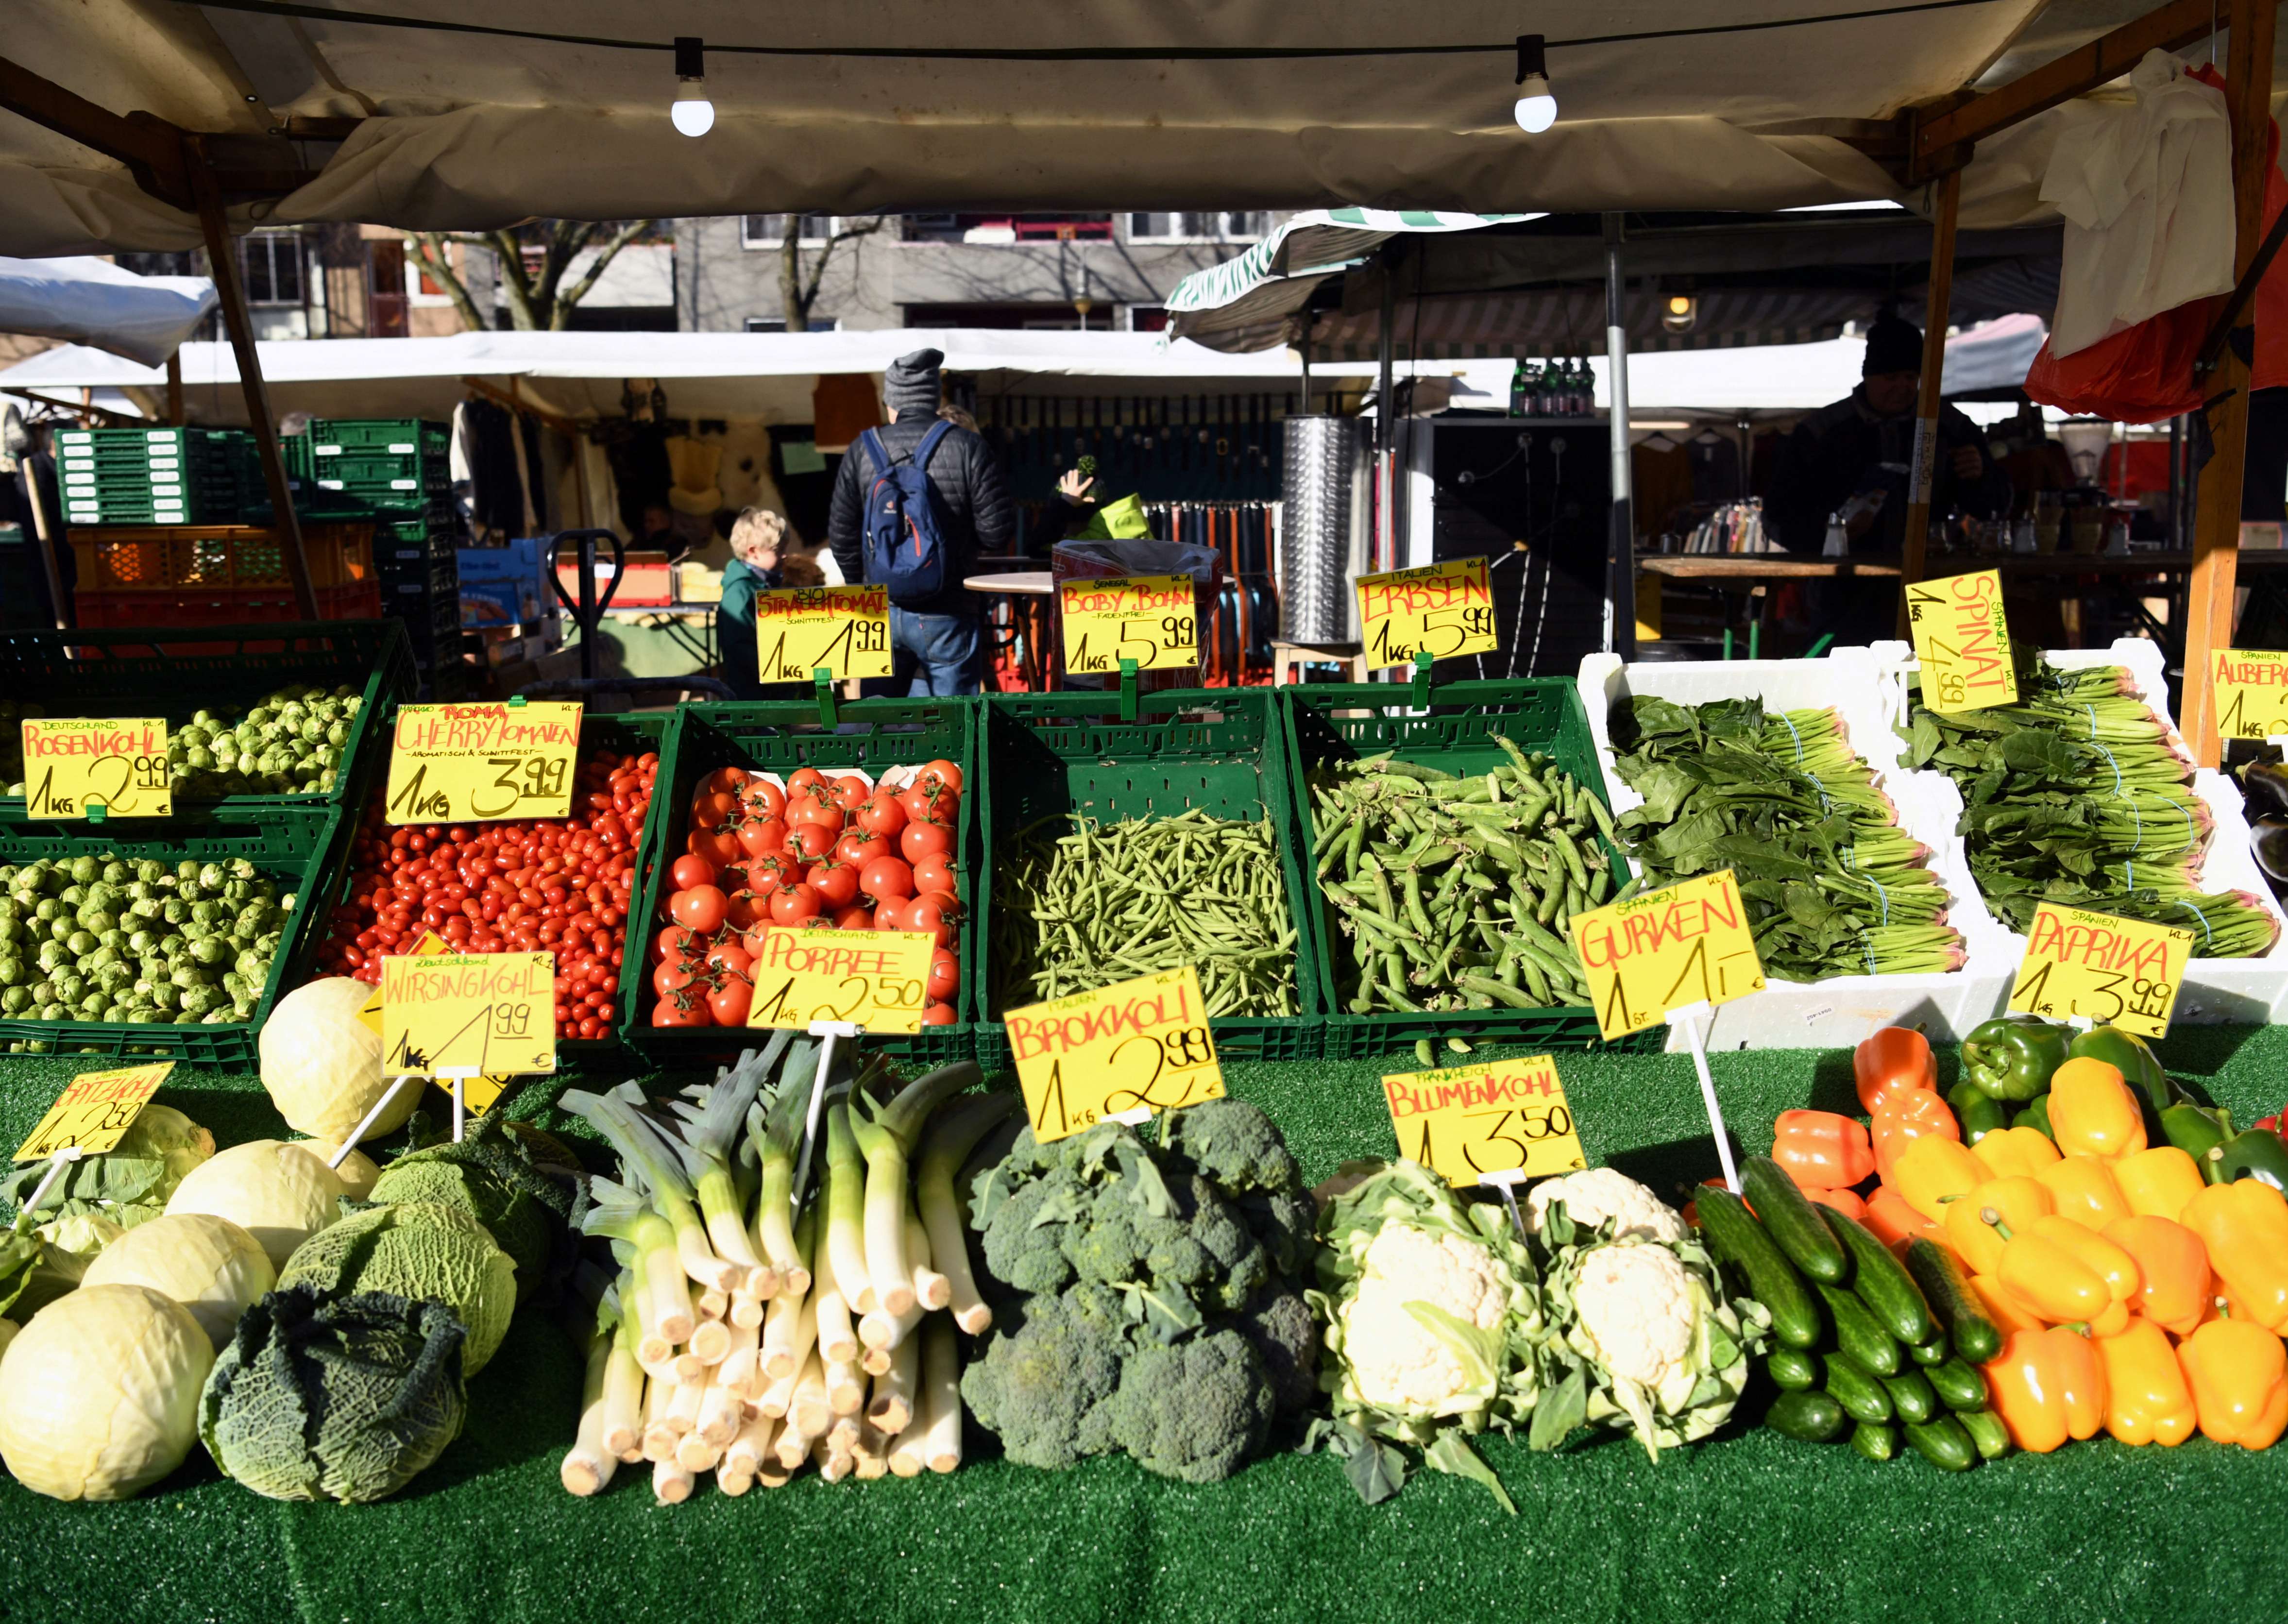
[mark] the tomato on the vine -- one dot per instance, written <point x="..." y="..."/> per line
<point x="728" y="1000"/>
<point x="849" y="792"/>
<point x="803" y="778"/>
<point x="857" y="916"/>
<point x="934" y="874"/>
<point x="890" y="913"/>
<point x="887" y="878"/>
<point x="760" y="836"/>
<point x="762" y="798"/>
<point x="719" y="847"/>
<point x="940" y="772"/>
<point x="836" y="884"/>
<point x="859" y="849"/>
<point x="927" y="917"/>
<point x="925" y="840"/>
<point x="683" y="1009"/>
<point x="939" y="1015"/>
<point x="673" y="976"/>
<point x="944" y="974"/>
<point x="882" y="815"/>
<point x="692" y="870"/>
<point x="700" y="908"/>
<point x="794" y="904"/>
<point x="811" y="841"/>
<point x="729" y="959"/>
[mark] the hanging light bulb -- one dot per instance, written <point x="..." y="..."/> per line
<point x="1537" y="106"/>
<point x="693" y="113"/>
<point x="1680" y="313"/>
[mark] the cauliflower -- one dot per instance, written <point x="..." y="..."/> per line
<point x="1601" y="1195"/>
<point x="1638" y="1315"/>
<point x="1396" y="1360"/>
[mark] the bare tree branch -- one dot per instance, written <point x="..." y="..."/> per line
<point x="562" y="313"/>
<point x="796" y="296"/>
<point x="428" y="248"/>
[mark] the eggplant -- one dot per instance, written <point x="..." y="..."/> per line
<point x="2264" y="785"/>
<point x="2270" y="839"/>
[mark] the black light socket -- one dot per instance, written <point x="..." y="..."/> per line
<point x="691" y="57"/>
<point x="1531" y="57"/>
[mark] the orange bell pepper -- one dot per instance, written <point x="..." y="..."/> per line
<point x="2016" y="1202"/>
<point x="2027" y="1389"/>
<point x="2157" y="1182"/>
<point x="1895" y="1058"/>
<point x="2002" y="1307"/>
<point x="1844" y="1201"/>
<point x="1906" y="1115"/>
<point x="2082" y="1376"/>
<point x="2244" y="1225"/>
<point x="2173" y="1266"/>
<point x="2083" y="1187"/>
<point x="2239" y="1373"/>
<point x="1894" y="1222"/>
<point x="2147" y="1398"/>
<point x="2014" y="1152"/>
<point x="1931" y="1171"/>
<point x="2046" y="1266"/>
<point x="1821" y="1149"/>
<point x="2092" y="1110"/>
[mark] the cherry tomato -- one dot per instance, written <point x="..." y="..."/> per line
<point x="924" y="840"/>
<point x="934" y="874"/>
<point x="760" y="836"/>
<point x="858" y="848"/>
<point x="836" y="884"/>
<point x="887" y="878"/>
<point x="728" y="1001"/>
<point x="794" y="904"/>
<point x="701" y="909"/>
<point x="882" y="815"/>
<point x="940" y="772"/>
<point x="849" y="792"/>
<point x="939" y="1015"/>
<point x="929" y="917"/>
<point x="944" y="974"/>
<point x="856" y="917"/>
<point x="803" y="778"/>
<point x="690" y="871"/>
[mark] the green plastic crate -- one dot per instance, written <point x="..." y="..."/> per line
<point x="367" y="435"/>
<point x="300" y="847"/>
<point x="1216" y="749"/>
<point x="144" y="672"/>
<point x="1337" y="721"/>
<point x="779" y="737"/>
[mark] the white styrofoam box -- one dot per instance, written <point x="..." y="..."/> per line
<point x="1841" y="1011"/>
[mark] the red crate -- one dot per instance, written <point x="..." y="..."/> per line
<point x="224" y="605"/>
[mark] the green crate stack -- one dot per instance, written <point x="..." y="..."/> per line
<point x="301" y="847"/>
<point x="1343" y="721"/>
<point x="871" y="735"/>
<point x="1049" y="754"/>
<point x="372" y="468"/>
<point x="130" y="672"/>
<point x="161" y="476"/>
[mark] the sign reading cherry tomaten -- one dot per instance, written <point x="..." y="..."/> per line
<point x="2120" y="972"/>
<point x="1149" y="619"/>
<point x="1467" y="1122"/>
<point x="1135" y="1046"/>
<point x="1684" y="944"/>
<point x="1446" y="608"/>
<point x="843" y="630"/>
<point x="480" y="763"/>
<point x="1963" y="642"/>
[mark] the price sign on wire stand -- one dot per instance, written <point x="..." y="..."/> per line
<point x="1135" y="1046"/>
<point x="877" y="980"/>
<point x="841" y="630"/>
<point x="1470" y="1124"/>
<point x="479" y="1093"/>
<point x="444" y="1014"/>
<point x="82" y="767"/>
<point x="1152" y="619"/>
<point x="94" y="1112"/>
<point x="2121" y="973"/>
<point x="2252" y="693"/>
<point x="1443" y="609"/>
<point x="480" y="763"/>
<point x="1962" y="640"/>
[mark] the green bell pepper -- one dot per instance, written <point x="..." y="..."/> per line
<point x="1981" y="1112"/>
<point x="2036" y="1116"/>
<point x="2128" y="1054"/>
<point x="2196" y="1130"/>
<point x="2012" y="1056"/>
<point x="2253" y="1153"/>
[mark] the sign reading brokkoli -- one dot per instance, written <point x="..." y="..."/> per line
<point x="1446" y="608"/>
<point x="845" y="630"/>
<point x="480" y="763"/>
<point x="74" y="765"/>
<point x="1467" y="1122"/>
<point x="1137" y="1045"/>
<point x="1150" y="619"/>
<point x="2120" y="972"/>
<point x="876" y="979"/>
<point x="1963" y="642"/>
<point x="474" y="1013"/>
<point x="1685" y="944"/>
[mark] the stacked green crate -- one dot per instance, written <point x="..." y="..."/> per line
<point x="395" y="471"/>
<point x="159" y="476"/>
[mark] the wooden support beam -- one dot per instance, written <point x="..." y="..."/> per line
<point x="151" y="150"/>
<point x="222" y="255"/>
<point x="1946" y="206"/>
<point x="2216" y="524"/>
<point x="175" y="389"/>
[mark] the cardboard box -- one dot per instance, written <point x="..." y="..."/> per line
<point x="519" y="560"/>
<point x="646" y="584"/>
<point x="499" y="603"/>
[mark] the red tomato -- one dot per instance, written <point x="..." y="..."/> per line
<point x="856" y="917"/>
<point x="887" y="878"/>
<point x="672" y="941"/>
<point x="672" y="977"/>
<point x="729" y="959"/>
<point x="939" y="1015"/>
<point x="803" y="778"/>
<point x="849" y="792"/>
<point x="762" y="798"/>
<point x="793" y="905"/>
<point x="923" y="840"/>
<point x="944" y="975"/>
<point x="918" y="803"/>
<point x="857" y="848"/>
<point x="743" y="907"/>
<point x="934" y="874"/>
<point x="882" y="815"/>
<point x="712" y="809"/>
<point x="728" y="1001"/>
<point x="685" y="1010"/>
<point x="719" y="847"/>
<point x="810" y="842"/>
<point x="767" y="873"/>
<point x="751" y="943"/>
<point x="836" y="884"/>
<point x="701" y="909"/>
<point x="940" y="772"/>
<point x="926" y="915"/>
<point x="758" y="837"/>
<point x="890" y="913"/>
<point x="803" y="810"/>
<point x="690" y="871"/>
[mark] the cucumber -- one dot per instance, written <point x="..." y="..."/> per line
<point x="1862" y="1396"/>
<point x="1790" y="1218"/>
<point x="1959" y="1386"/>
<point x="1772" y="1280"/>
<point x="1934" y="1352"/>
<point x="1987" y="1432"/>
<point x="1944" y="1444"/>
<point x="1868" y="1344"/>
<point x="1975" y="1337"/>
<point x="1810" y="1418"/>
<point x="1882" y="1281"/>
<point x="1912" y="1396"/>
<point x="1879" y="1443"/>
<point x="1793" y="1368"/>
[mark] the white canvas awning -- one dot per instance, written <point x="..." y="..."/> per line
<point x="93" y="302"/>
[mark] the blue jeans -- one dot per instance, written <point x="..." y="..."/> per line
<point x="931" y="654"/>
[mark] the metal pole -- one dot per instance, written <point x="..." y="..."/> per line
<point x="1621" y="567"/>
<point x="1305" y="347"/>
<point x="175" y="389"/>
<point x="1927" y="402"/>
<point x="1386" y="420"/>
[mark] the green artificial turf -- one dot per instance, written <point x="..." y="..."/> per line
<point x="1747" y="1525"/>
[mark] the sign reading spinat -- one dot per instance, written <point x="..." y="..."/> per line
<point x="1963" y="641"/>
<point x="1139" y="1045"/>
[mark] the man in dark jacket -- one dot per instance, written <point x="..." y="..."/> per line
<point x="937" y="644"/>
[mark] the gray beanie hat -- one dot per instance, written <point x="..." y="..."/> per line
<point x="911" y="387"/>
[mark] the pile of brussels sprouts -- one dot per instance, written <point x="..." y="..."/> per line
<point x="291" y="743"/>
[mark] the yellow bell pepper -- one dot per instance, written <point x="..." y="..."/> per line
<point x="2174" y="1267"/>
<point x="2157" y="1183"/>
<point x="2082" y="1188"/>
<point x="2017" y="1202"/>
<point x="2244" y="1225"/>
<point x="2146" y="1398"/>
<point x="2092" y="1110"/>
<point x="2025" y="1387"/>
<point x="2003" y="1308"/>
<point x="2239" y="1373"/>
<point x="2081" y="1377"/>
<point x="1931" y="1169"/>
<point x="2055" y="1267"/>
<point x="2014" y="1152"/>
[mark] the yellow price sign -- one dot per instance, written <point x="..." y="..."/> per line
<point x="1684" y="944"/>
<point x="1153" y="620"/>
<point x="477" y="1093"/>
<point x="875" y="980"/>
<point x="483" y="762"/>
<point x="2252" y="693"/>
<point x="1447" y="608"/>
<point x="74" y="764"/>
<point x="1468" y="1122"/>
<point x="845" y="630"/>
<point x="94" y="1112"/>
<point x="1139" y="1045"/>
<point x="478" y="1014"/>
<point x="2119" y="972"/>
<point x="1962" y="640"/>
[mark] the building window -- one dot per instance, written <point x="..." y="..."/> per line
<point x="270" y="263"/>
<point x="1227" y="226"/>
<point x="770" y="230"/>
<point x="1147" y="317"/>
<point x="777" y="324"/>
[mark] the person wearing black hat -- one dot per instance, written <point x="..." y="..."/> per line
<point x="1853" y="460"/>
<point x="937" y="645"/>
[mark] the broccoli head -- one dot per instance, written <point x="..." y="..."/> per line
<point x="1234" y="1144"/>
<point x="1046" y="1377"/>
<point x="1023" y="1237"/>
<point x="1240" y="1266"/>
<point x="1285" y="1336"/>
<point x="1197" y="1410"/>
<point x="1284" y="1221"/>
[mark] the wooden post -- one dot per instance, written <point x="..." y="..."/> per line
<point x="1947" y="201"/>
<point x="175" y="389"/>
<point x="2216" y="520"/>
<point x="224" y="261"/>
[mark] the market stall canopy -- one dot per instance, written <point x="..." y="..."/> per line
<point x="93" y="302"/>
<point x="428" y="115"/>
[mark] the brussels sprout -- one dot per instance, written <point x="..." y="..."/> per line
<point x="79" y="944"/>
<point x="197" y="1000"/>
<point x="86" y="870"/>
<point x="72" y="898"/>
<point x="94" y="1006"/>
<point x="15" y="972"/>
<point x="113" y="979"/>
<point x="209" y="950"/>
<point x="8" y="873"/>
<point x="252" y="962"/>
<point x="188" y="975"/>
<point x="50" y="955"/>
<point x="149" y="872"/>
<point x="105" y="953"/>
<point x="96" y="921"/>
<point x="234" y="984"/>
<point x="115" y="872"/>
<point x="15" y="1000"/>
<point x="13" y="931"/>
<point x="175" y="911"/>
<point x="207" y="913"/>
<point x="167" y="998"/>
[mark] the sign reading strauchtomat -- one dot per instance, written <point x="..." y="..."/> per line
<point x="843" y="630"/>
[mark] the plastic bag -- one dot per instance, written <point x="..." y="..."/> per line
<point x="1120" y="520"/>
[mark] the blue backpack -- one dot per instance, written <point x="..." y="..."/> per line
<point x="904" y="534"/>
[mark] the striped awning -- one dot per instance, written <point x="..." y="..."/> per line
<point x="1571" y="321"/>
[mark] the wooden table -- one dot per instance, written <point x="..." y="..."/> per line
<point x="1027" y="593"/>
<point x="1755" y="567"/>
